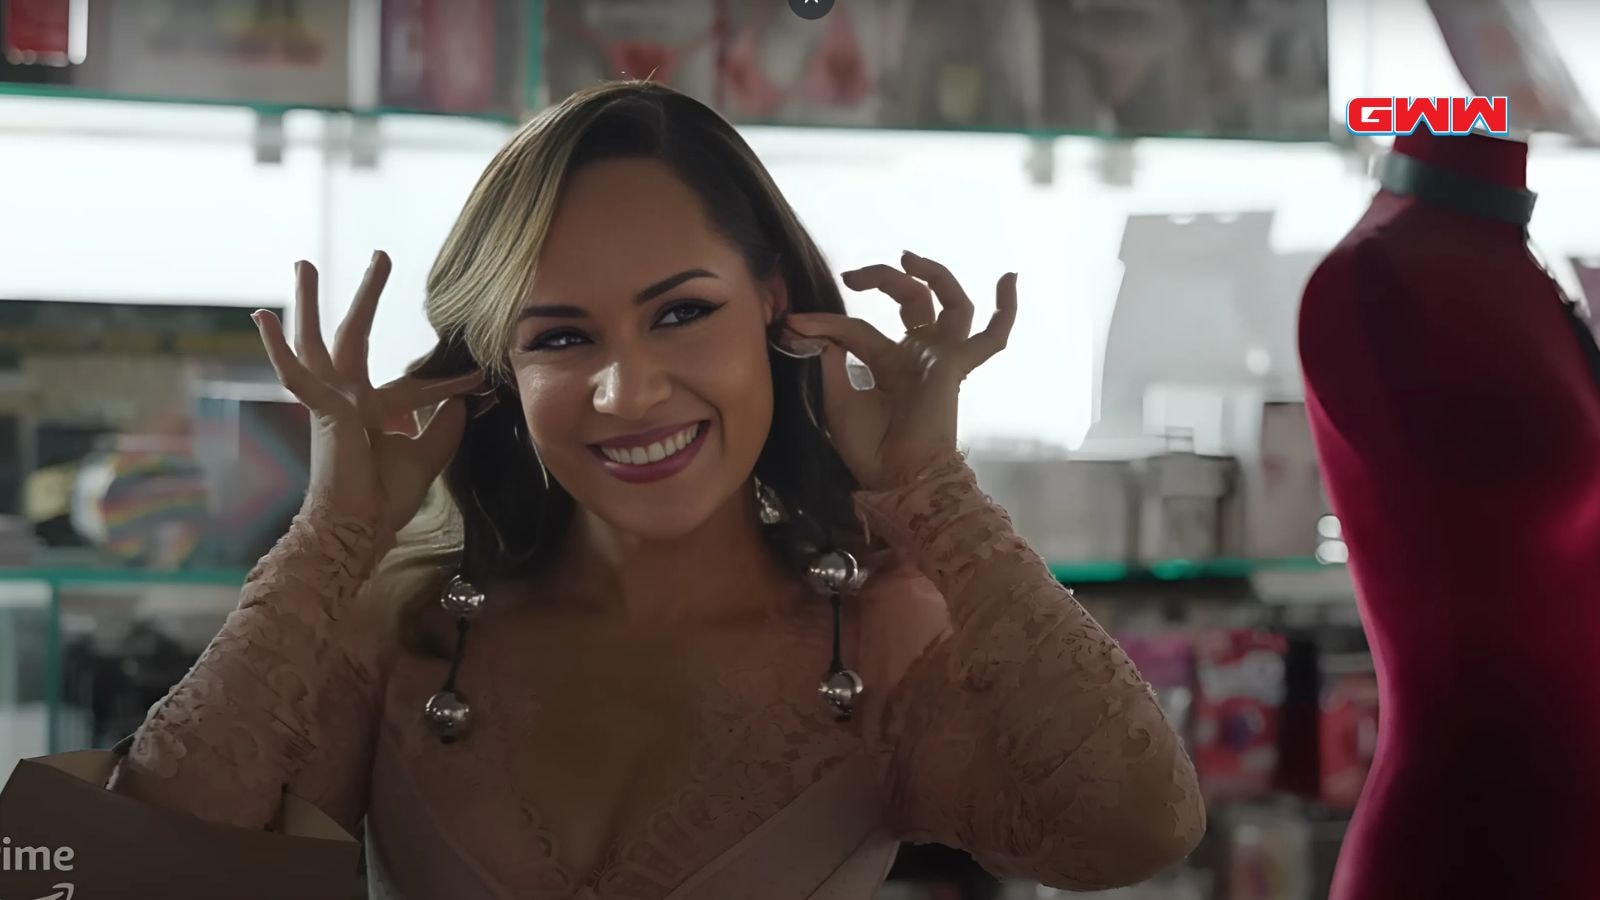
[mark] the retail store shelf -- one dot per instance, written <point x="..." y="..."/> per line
<point x="66" y="577"/>
<point x="1284" y="571"/>
<point x="57" y="92"/>
<point x="1183" y="569"/>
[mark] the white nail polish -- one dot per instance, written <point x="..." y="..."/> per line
<point x="860" y="376"/>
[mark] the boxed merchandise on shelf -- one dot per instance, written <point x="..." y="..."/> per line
<point x="267" y="52"/>
<point x="1267" y="852"/>
<point x="453" y="56"/>
<point x="1347" y="729"/>
<point x="668" y="41"/>
<point x="1240" y="675"/>
<point x="779" y="68"/>
<point x="1166" y="660"/>
<point x="955" y="64"/>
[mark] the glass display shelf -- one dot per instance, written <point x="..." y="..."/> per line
<point x="1080" y="572"/>
<point x="36" y="601"/>
<point x="58" y="92"/>
<point x="110" y="575"/>
<point x="1048" y="134"/>
<point x="41" y="605"/>
<point x="1181" y="569"/>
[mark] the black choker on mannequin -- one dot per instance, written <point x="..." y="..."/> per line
<point x="1449" y="189"/>
<point x="1459" y="192"/>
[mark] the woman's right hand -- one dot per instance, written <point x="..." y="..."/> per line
<point x="358" y="468"/>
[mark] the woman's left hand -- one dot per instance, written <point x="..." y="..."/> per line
<point x="908" y="419"/>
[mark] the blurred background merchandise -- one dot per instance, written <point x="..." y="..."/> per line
<point x="1163" y="173"/>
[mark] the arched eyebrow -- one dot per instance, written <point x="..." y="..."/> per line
<point x="644" y="296"/>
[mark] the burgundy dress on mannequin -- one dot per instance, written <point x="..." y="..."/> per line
<point x="1457" y="420"/>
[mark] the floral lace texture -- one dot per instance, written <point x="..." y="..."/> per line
<point x="1024" y="736"/>
<point x="283" y="697"/>
<point x="1012" y="727"/>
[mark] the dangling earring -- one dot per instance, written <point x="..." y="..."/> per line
<point x="797" y="346"/>
<point x="517" y="427"/>
<point x="526" y="439"/>
<point x="543" y="472"/>
<point x="832" y="574"/>
<point x="448" y="712"/>
<point x="767" y="502"/>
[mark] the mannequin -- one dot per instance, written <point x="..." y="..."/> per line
<point x="1457" y="420"/>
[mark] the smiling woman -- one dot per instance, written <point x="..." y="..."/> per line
<point x="664" y="507"/>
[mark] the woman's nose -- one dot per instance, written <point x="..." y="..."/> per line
<point x="630" y="386"/>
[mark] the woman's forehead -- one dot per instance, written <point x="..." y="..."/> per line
<point x="623" y="225"/>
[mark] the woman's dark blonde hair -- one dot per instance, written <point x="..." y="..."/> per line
<point x="493" y="513"/>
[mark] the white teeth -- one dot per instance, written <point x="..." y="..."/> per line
<point x="656" y="451"/>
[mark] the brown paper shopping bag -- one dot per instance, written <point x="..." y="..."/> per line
<point x="63" y="836"/>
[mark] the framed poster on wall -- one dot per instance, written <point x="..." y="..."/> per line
<point x="673" y="42"/>
<point x="780" y="68"/>
<point x="454" y="56"/>
<point x="267" y="51"/>
<point x="1222" y="68"/>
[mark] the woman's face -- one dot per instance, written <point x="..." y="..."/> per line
<point x="641" y="352"/>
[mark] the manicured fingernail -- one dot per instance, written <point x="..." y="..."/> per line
<point x="859" y="375"/>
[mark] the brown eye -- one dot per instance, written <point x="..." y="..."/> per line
<point x="679" y="314"/>
<point x="554" y="340"/>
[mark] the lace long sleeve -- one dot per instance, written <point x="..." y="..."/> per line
<point x="1021" y="734"/>
<point x="284" y="697"/>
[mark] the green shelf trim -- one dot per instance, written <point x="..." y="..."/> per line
<point x="1045" y="133"/>
<point x="1179" y="569"/>
<point x="65" y="577"/>
<point x="1067" y="573"/>
<point x="1087" y="572"/>
<point x="532" y="84"/>
<point x="60" y="92"/>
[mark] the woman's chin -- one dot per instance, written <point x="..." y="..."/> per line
<point x="656" y="524"/>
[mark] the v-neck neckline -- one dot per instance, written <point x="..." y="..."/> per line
<point x="728" y="755"/>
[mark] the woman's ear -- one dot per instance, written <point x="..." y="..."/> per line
<point x="775" y="296"/>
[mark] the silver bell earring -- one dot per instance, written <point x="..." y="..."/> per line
<point x="769" y="507"/>
<point x="447" y="711"/>
<point x="833" y="574"/>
